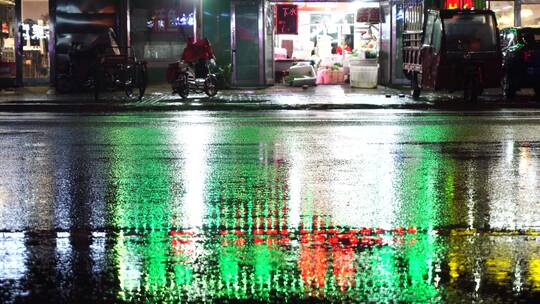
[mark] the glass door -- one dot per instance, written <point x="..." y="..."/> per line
<point x="246" y="29"/>
<point x="8" y="23"/>
<point x="34" y="29"/>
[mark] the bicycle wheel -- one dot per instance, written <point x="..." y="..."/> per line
<point x="142" y="78"/>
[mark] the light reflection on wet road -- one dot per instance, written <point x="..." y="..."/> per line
<point x="337" y="206"/>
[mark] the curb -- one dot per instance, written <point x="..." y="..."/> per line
<point x="40" y="106"/>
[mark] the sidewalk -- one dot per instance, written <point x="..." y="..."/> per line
<point x="160" y="98"/>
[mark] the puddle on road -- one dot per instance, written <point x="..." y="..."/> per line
<point x="330" y="265"/>
<point x="253" y="210"/>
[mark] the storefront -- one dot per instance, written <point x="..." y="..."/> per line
<point x="516" y="13"/>
<point x="24" y="42"/>
<point x="37" y="35"/>
<point x="159" y="30"/>
<point x="33" y="51"/>
<point x="332" y="37"/>
<point x="260" y="40"/>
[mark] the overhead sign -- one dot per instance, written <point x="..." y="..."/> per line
<point x="287" y="19"/>
<point x="34" y="32"/>
<point x="369" y="15"/>
<point x="459" y="4"/>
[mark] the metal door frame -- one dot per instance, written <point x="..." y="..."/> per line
<point x="260" y="28"/>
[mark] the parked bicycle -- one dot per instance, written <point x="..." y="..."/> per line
<point x="118" y="70"/>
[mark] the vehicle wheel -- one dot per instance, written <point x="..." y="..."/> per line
<point x="508" y="88"/>
<point x="142" y="79"/>
<point x="138" y="81"/>
<point x="210" y="86"/>
<point x="182" y="85"/>
<point x="64" y="84"/>
<point x="98" y="83"/>
<point x="129" y="92"/>
<point x="415" y="86"/>
<point x="471" y="90"/>
<point x="537" y="92"/>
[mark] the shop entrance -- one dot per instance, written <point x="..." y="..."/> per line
<point x="339" y="40"/>
<point x="246" y="43"/>
<point x="24" y="42"/>
<point x="34" y="31"/>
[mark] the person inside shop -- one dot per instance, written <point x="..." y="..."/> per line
<point x="347" y="44"/>
<point x="336" y="49"/>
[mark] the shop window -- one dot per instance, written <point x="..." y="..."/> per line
<point x="7" y="41"/>
<point x="35" y="40"/>
<point x="530" y="14"/>
<point x="322" y="29"/>
<point x="504" y="10"/>
<point x="160" y="28"/>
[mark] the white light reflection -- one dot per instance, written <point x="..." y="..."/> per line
<point x="509" y="151"/>
<point x="367" y="184"/>
<point x="128" y="263"/>
<point x="471" y="204"/>
<point x="527" y="188"/>
<point x="97" y="251"/>
<point x="193" y="138"/>
<point x="64" y="252"/>
<point x="295" y="187"/>
<point x="12" y="255"/>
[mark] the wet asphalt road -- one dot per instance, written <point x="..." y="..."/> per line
<point x="335" y="206"/>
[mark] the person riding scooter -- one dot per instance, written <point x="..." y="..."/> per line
<point x="197" y="55"/>
<point x="193" y="72"/>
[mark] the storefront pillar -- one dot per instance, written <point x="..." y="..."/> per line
<point x="18" y="45"/>
<point x="517" y="12"/>
<point x="52" y="41"/>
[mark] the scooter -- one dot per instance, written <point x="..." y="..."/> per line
<point x="186" y="78"/>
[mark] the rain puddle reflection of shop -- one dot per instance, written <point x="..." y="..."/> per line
<point x="232" y="215"/>
<point x="157" y="185"/>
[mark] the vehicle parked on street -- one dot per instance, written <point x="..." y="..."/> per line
<point x="80" y="71"/>
<point x="521" y="60"/>
<point x="120" y="70"/>
<point x="452" y="50"/>
<point x="195" y="72"/>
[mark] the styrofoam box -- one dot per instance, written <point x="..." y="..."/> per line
<point x="364" y="76"/>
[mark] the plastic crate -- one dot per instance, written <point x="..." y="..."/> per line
<point x="364" y="76"/>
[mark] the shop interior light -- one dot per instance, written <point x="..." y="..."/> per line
<point x="363" y="3"/>
<point x="526" y="13"/>
<point x="505" y="20"/>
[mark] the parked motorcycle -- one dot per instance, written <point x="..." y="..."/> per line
<point x="79" y="74"/>
<point x="195" y="72"/>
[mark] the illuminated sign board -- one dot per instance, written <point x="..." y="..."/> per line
<point x="287" y="19"/>
<point x="459" y="4"/>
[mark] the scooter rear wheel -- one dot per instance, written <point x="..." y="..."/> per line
<point x="471" y="90"/>
<point x="210" y="86"/>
